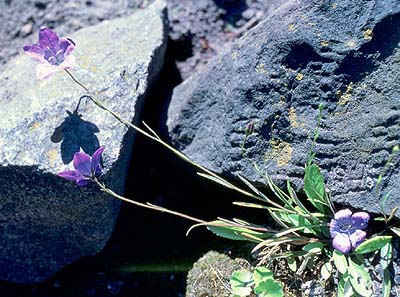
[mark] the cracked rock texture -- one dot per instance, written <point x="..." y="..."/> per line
<point x="45" y="221"/>
<point x="344" y="54"/>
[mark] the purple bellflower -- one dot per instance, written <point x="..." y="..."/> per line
<point x="86" y="167"/>
<point x="346" y="230"/>
<point x="52" y="53"/>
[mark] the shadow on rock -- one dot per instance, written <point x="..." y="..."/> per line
<point x="75" y="134"/>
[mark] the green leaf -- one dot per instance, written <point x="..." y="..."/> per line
<point x="360" y="279"/>
<point x="396" y="231"/>
<point x="344" y="287"/>
<point x="262" y="274"/>
<point x="296" y="220"/>
<point x="326" y="270"/>
<point x="314" y="247"/>
<point x="269" y="288"/>
<point x="372" y="244"/>
<point x="379" y="219"/>
<point x="393" y="213"/>
<point x="387" y="283"/>
<point x="314" y="187"/>
<point x="386" y="255"/>
<point x="382" y="203"/>
<point x="292" y="263"/>
<point x="340" y="261"/>
<point x="232" y="233"/>
<point x="241" y="283"/>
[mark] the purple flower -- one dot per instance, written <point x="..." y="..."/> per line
<point x="86" y="167"/>
<point x="52" y="53"/>
<point x="346" y="230"/>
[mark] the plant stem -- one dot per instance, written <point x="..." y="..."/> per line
<point x="152" y="135"/>
<point x="146" y="205"/>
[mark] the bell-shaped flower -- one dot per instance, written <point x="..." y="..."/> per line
<point x="86" y="167"/>
<point x="346" y="230"/>
<point x="52" y="53"/>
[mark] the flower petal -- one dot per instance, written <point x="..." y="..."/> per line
<point x="334" y="228"/>
<point x="343" y="214"/>
<point x="70" y="175"/>
<point x="342" y="243"/>
<point x="357" y="237"/>
<point x="49" y="39"/>
<point x="35" y="52"/>
<point x="82" y="163"/>
<point x="67" y="46"/>
<point x="44" y="70"/>
<point x="82" y="182"/>
<point x="69" y="62"/>
<point x="359" y="220"/>
<point x="96" y="158"/>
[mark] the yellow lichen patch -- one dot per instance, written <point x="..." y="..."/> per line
<point x="334" y="5"/>
<point x="52" y="154"/>
<point x="293" y="117"/>
<point x="368" y="34"/>
<point x="292" y="27"/>
<point x="299" y="76"/>
<point x="260" y="68"/>
<point x="324" y="43"/>
<point x="34" y="126"/>
<point x="351" y="43"/>
<point x="345" y="97"/>
<point x="280" y="151"/>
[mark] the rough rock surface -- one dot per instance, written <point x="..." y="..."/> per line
<point x="344" y="54"/>
<point x="45" y="221"/>
<point x="199" y="29"/>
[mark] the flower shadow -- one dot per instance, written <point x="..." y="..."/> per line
<point x="75" y="134"/>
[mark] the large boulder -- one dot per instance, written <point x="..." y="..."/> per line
<point x="344" y="54"/>
<point x="45" y="221"/>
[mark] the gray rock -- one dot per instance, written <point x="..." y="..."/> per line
<point x="344" y="54"/>
<point x="45" y="221"/>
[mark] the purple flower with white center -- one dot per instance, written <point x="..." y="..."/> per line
<point x="52" y="53"/>
<point x="86" y="167"/>
<point x="346" y="230"/>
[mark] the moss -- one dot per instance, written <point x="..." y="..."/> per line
<point x="210" y="275"/>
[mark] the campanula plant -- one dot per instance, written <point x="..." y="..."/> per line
<point x="305" y="233"/>
<point x="86" y="167"/>
<point x="52" y="53"/>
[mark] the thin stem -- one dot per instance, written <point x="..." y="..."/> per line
<point x="149" y="206"/>
<point x="166" y="210"/>
<point x="75" y="80"/>
<point x="153" y="136"/>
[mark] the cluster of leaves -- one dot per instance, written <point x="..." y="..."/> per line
<point x="304" y="237"/>
<point x="261" y="282"/>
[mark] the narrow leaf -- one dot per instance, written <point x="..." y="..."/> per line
<point x="372" y="244"/>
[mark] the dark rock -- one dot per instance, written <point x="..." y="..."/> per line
<point x="344" y="55"/>
<point x="47" y="222"/>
